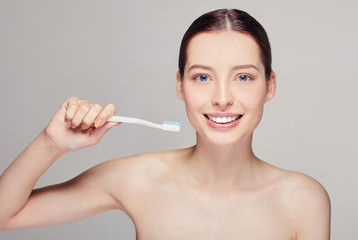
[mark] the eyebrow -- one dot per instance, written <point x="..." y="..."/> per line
<point x="237" y="67"/>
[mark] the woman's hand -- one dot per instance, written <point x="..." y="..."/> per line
<point x="79" y="124"/>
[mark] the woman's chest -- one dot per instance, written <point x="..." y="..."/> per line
<point x="171" y="214"/>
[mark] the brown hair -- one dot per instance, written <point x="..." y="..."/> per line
<point x="226" y="20"/>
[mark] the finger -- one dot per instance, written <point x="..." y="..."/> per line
<point x="82" y="110"/>
<point x="104" y="115"/>
<point x="100" y="132"/>
<point x="71" y="105"/>
<point x="91" y="116"/>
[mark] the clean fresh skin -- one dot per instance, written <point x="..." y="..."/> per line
<point x="217" y="189"/>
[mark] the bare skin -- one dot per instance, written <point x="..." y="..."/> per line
<point x="217" y="189"/>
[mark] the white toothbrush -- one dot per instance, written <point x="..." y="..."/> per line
<point x="167" y="126"/>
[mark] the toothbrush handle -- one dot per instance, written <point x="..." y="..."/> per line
<point x="134" y="120"/>
<point x="123" y="119"/>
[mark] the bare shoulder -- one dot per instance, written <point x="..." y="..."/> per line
<point x="295" y="186"/>
<point x="131" y="179"/>
<point x="307" y="205"/>
<point x="305" y="192"/>
<point x="303" y="201"/>
<point x="144" y="166"/>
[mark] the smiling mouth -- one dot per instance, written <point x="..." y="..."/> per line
<point x="223" y="120"/>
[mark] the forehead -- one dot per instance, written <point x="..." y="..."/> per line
<point x="223" y="49"/>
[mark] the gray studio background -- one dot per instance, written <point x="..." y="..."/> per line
<point x="125" y="52"/>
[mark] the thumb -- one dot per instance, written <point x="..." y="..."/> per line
<point x="101" y="131"/>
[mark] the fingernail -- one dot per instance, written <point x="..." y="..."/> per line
<point x="99" y="123"/>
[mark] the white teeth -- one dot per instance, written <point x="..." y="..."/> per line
<point x="223" y="119"/>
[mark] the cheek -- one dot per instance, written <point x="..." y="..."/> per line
<point x="253" y="99"/>
<point x="194" y="96"/>
<point x="195" y="101"/>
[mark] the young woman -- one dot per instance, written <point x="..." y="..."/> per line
<point x="217" y="189"/>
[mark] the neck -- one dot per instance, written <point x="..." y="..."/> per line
<point x="223" y="166"/>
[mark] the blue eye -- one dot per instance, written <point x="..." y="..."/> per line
<point x="244" y="78"/>
<point x="201" y="78"/>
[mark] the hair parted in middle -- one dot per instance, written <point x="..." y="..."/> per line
<point x="228" y="20"/>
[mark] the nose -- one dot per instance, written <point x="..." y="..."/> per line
<point x="222" y="96"/>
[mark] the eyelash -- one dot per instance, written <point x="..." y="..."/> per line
<point x="201" y="75"/>
<point x="196" y="77"/>
<point x="245" y="75"/>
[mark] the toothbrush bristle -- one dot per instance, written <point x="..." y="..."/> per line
<point x="171" y="126"/>
<point x="172" y="123"/>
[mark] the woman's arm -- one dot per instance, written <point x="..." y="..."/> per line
<point x="77" y="124"/>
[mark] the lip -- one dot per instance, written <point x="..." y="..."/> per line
<point x="228" y="125"/>
<point x="223" y="114"/>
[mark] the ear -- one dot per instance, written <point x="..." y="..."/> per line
<point x="179" y="86"/>
<point x="271" y="87"/>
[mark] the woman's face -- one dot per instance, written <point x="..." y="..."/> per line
<point x="224" y="86"/>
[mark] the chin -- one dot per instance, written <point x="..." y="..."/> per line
<point x="225" y="138"/>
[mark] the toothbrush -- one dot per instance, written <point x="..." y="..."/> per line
<point x="167" y="126"/>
